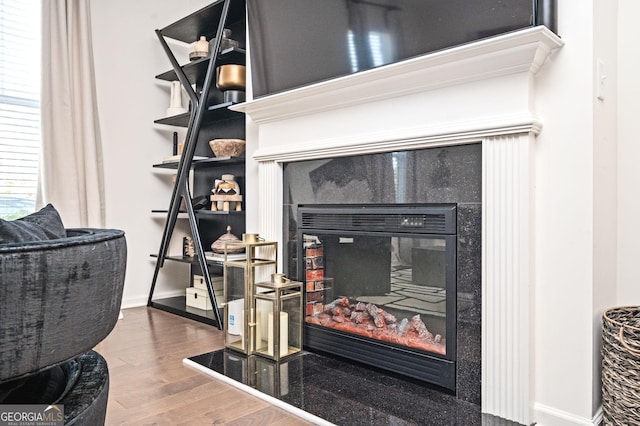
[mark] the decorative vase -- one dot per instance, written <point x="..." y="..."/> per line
<point x="226" y="42"/>
<point x="175" y="104"/>
<point x="219" y="244"/>
<point x="231" y="80"/>
<point x="200" y="49"/>
<point x="188" y="249"/>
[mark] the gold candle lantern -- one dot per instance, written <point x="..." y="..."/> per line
<point x="239" y="288"/>
<point x="278" y="313"/>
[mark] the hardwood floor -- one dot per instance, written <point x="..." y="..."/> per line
<point x="150" y="386"/>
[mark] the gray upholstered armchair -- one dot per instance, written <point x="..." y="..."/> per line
<point x="58" y="299"/>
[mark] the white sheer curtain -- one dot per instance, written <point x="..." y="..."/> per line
<point x="71" y="171"/>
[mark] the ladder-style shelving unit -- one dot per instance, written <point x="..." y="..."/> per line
<point x="209" y="22"/>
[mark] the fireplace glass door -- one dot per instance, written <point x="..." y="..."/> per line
<point x="388" y="288"/>
<point x="380" y="280"/>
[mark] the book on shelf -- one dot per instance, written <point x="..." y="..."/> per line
<point x="209" y="255"/>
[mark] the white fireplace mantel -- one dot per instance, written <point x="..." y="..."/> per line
<point x="480" y="92"/>
<point x="525" y="50"/>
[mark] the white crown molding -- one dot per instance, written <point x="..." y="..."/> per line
<point x="519" y="51"/>
<point x="401" y="139"/>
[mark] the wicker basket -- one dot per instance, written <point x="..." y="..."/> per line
<point x="621" y="366"/>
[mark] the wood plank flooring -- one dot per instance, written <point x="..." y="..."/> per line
<point x="149" y="385"/>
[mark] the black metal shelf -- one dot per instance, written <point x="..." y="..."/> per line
<point x="209" y="162"/>
<point x="166" y="211"/>
<point x="215" y="120"/>
<point x="205" y="214"/>
<point x="178" y="306"/>
<point x="203" y="22"/>
<point x="158" y="213"/>
<point x="191" y="260"/>
<point x="213" y="113"/>
<point x="196" y="70"/>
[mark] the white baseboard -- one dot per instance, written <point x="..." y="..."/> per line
<point x="134" y="302"/>
<point x="549" y="416"/>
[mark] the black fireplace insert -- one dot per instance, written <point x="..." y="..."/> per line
<point x="380" y="285"/>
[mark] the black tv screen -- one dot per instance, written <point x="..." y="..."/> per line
<point x="297" y="42"/>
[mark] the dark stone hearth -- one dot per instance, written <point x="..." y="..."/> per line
<point x="346" y="393"/>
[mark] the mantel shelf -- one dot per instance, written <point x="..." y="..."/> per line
<point x="519" y="51"/>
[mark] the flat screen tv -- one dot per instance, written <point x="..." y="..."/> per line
<point x="298" y="42"/>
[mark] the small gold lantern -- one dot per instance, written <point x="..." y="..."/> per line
<point x="240" y="275"/>
<point x="278" y="317"/>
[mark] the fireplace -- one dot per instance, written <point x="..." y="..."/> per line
<point x="353" y="226"/>
<point x="380" y="285"/>
<point x="482" y="93"/>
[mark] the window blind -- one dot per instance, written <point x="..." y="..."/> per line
<point x="20" y="25"/>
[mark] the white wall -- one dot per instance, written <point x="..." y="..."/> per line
<point x="628" y="153"/>
<point x="563" y="221"/>
<point x="127" y="57"/>
<point x="605" y="203"/>
<point x="576" y="213"/>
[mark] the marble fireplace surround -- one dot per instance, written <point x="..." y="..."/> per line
<point x="479" y="92"/>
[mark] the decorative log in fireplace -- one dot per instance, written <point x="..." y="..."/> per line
<point x="370" y="321"/>
<point x="381" y="287"/>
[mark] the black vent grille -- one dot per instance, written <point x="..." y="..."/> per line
<point x="421" y="220"/>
